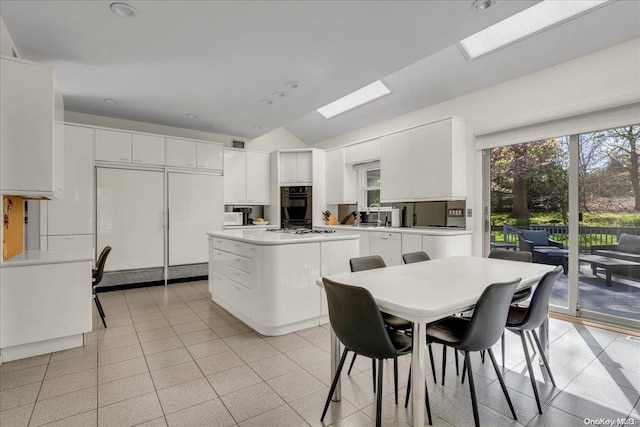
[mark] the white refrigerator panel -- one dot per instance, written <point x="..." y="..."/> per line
<point x="130" y="217"/>
<point x="195" y="207"/>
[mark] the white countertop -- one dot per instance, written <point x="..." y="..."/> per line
<point x="436" y="231"/>
<point x="58" y="256"/>
<point x="248" y="227"/>
<point x="263" y="237"/>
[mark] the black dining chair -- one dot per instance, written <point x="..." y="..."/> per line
<point x="97" y="274"/>
<point x="412" y="257"/>
<point x="478" y="333"/>
<point x="527" y="319"/>
<point x="519" y="296"/>
<point x="393" y="322"/>
<point x="357" y="322"/>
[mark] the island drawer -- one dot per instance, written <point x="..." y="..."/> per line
<point x="219" y="261"/>
<point x="241" y="263"/>
<point x="219" y="288"/>
<point x="243" y="249"/>
<point x="240" y="298"/>
<point x="239" y="276"/>
<point x="218" y="243"/>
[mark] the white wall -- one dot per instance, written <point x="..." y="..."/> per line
<point x="601" y="80"/>
<point x="275" y="140"/>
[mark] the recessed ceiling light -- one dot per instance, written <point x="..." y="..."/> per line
<point x="482" y="4"/>
<point x="530" y="21"/>
<point x="124" y="10"/>
<point x="267" y="101"/>
<point x="191" y="116"/>
<point x="279" y="94"/>
<point x="257" y="126"/>
<point x="111" y="101"/>
<point x="355" y="99"/>
<point x="292" y="85"/>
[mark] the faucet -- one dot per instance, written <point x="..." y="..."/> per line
<point x="378" y="222"/>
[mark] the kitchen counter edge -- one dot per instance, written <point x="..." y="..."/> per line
<point x="42" y="257"/>
<point x="266" y="238"/>
<point x="409" y="230"/>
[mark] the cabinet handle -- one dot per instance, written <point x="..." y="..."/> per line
<point x="124" y="159"/>
<point x="137" y="160"/>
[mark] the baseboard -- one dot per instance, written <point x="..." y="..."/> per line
<point x="126" y="286"/>
<point x="584" y="322"/>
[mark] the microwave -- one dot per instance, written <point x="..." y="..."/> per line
<point x="232" y="218"/>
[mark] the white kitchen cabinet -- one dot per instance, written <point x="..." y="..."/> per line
<point x="148" y="149"/>
<point x="113" y="146"/>
<point x="296" y="168"/>
<point x="208" y="156"/>
<point x="184" y="153"/>
<point x="411" y="243"/>
<point x="74" y="213"/>
<point x="362" y="152"/>
<point x="181" y="153"/>
<point x="74" y="241"/>
<point x="341" y="178"/>
<point x="27" y="129"/>
<point x="258" y="178"/>
<point x="446" y="246"/>
<point x="247" y="177"/>
<point x="387" y="245"/>
<point x="424" y="163"/>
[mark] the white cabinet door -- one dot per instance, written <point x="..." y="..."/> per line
<point x="446" y="246"/>
<point x="209" y="156"/>
<point x="76" y="241"/>
<point x="74" y="213"/>
<point x="363" y="152"/>
<point x="235" y="177"/>
<point x="304" y="167"/>
<point x="195" y="207"/>
<point x="288" y="168"/>
<point x="26" y="128"/>
<point x="258" y="178"/>
<point x="388" y="246"/>
<point x="411" y="243"/>
<point x="148" y="149"/>
<point x="395" y="173"/>
<point x="181" y="153"/>
<point x="430" y="160"/>
<point x="58" y="161"/>
<point x="130" y="217"/>
<point x="341" y="178"/>
<point x="113" y="146"/>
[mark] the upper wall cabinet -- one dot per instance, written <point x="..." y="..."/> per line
<point x="184" y="153"/>
<point x="424" y="163"/>
<point x="341" y="178"/>
<point x="125" y="147"/>
<point x="296" y="168"/>
<point x="362" y="152"/>
<point x="28" y="144"/>
<point x="246" y="177"/>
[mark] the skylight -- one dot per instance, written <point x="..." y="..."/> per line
<point x="526" y="23"/>
<point x="355" y="99"/>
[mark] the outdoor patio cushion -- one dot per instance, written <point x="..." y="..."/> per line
<point x="538" y="237"/>
<point x="629" y="243"/>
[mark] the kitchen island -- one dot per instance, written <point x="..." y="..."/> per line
<point x="267" y="279"/>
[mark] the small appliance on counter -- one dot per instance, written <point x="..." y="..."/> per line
<point x="232" y="218"/>
<point x="246" y="215"/>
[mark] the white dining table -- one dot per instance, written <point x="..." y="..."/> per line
<point x="427" y="291"/>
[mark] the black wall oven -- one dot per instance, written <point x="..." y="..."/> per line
<point x="296" y="207"/>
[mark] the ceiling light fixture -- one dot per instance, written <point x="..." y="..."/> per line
<point x="124" y="10"/>
<point x="530" y="21"/>
<point x="355" y="99"/>
<point x="266" y="101"/>
<point x="483" y="4"/>
<point x="191" y="116"/>
<point x="111" y="101"/>
<point x="279" y="94"/>
<point x="292" y="85"/>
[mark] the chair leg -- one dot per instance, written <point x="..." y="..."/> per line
<point x="544" y="357"/>
<point x="530" y="368"/>
<point x="406" y="399"/>
<point x="502" y="347"/>
<point x="482" y="355"/>
<point x="464" y="372"/>
<point x="352" y="362"/>
<point x="373" y="365"/>
<point x="334" y="383"/>
<point x="455" y="353"/>
<point x="444" y="361"/>
<point x="100" y="310"/>
<point x="379" y="397"/>
<point x="433" y="364"/>
<point x="533" y="347"/>
<point x="426" y="397"/>
<point x="502" y="384"/>
<point x="395" y="377"/>
<point x="472" y="389"/>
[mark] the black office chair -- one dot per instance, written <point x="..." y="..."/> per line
<point x="521" y="320"/>
<point x="357" y="322"/>
<point x="519" y="296"/>
<point x="97" y="278"/>
<point x="396" y="323"/>
<point x="478" y="333"/>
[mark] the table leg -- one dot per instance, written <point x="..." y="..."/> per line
<point x="418" y="373"/>
<point x="335" y="361"/>
<point x="543" y="332"/>
<point x="608" y="273"/>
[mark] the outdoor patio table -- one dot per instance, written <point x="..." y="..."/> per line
<point x="424" y="292"/>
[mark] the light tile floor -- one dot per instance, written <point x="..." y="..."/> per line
<point x="171" y="357"/>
